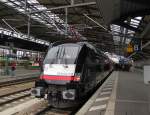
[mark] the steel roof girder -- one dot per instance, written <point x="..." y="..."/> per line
<point x="66" y="6"/>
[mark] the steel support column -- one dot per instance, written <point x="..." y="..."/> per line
<point x="72" y="2"/>
<point x="29" y="24"/>
<point x="121" y="41"/>
<point x="67" y="6"/>
<point x="66" y="21"/>
<point x="25" y="8"/>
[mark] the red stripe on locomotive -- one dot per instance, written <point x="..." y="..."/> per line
<point x="61" y="78"/>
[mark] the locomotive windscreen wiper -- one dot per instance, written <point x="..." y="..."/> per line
<point x="57" y="52"/>
<point x="63" y="57"/>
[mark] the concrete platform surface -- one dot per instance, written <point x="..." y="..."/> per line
<point x="97" y="104"/>
<point x="124" y="93"/>
<point x="20" y="72"/>
<point x="132" y="95"/>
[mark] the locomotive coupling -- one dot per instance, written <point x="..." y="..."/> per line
<point x="38" y="92"/>
<point x="69" y="94"/>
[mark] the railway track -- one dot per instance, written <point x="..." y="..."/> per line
<point x="11" y="99"/>
<point x="54" y="111"/>
<point x="69" y="111"/>
<point x="16" y="91"/>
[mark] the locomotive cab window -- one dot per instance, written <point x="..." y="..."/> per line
<point x="62" y="55"/>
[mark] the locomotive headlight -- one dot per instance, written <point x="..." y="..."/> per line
<point x="77" y="76"/>
<point x="69" y="94"/>
<point x="38" y="92"/>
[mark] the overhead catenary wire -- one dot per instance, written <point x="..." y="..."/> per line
<point x="9" y="25"/>
<point x="97" y="23"/>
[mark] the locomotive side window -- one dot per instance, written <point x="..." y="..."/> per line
<point x="90" y="66"/>
<point x="105" y="62"/>
<point x="100" y="62"/>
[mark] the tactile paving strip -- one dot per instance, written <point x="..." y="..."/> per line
<point x="101" y="102"/>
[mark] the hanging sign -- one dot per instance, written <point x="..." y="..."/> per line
<point x="130" y="48"/>
<point x="137" y="44"/>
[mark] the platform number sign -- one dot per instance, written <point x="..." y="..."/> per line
<point x="136" y="47"/>
<point x="136" y="44"/>
<point x="130" y="48"/>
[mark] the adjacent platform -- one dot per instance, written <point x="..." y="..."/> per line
<point x="20" y="74"/>
<point x="124" y="93"/>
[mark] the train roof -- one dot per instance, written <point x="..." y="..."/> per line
<point x="81" y="43"/>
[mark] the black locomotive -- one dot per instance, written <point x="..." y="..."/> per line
<point x="70" y="71"/>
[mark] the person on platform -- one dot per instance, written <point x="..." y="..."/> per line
<point x="41" y="64"/>
<point x="13" y="68"/>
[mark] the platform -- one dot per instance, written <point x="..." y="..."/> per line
<point x="19" y="72"/>
<point x="123" y="93"/>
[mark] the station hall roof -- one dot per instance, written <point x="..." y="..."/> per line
<point x="86" y="19"/>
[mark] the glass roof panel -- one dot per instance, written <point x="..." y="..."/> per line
<point x="135" y="21"/>
<point x="116" y="30"/>
<point x="4" y="0"/>
<point x="118" y="34"/>
<point x="139" y="18"/>
<point x="46" y="17"/>
<point x="21" y="36"/>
